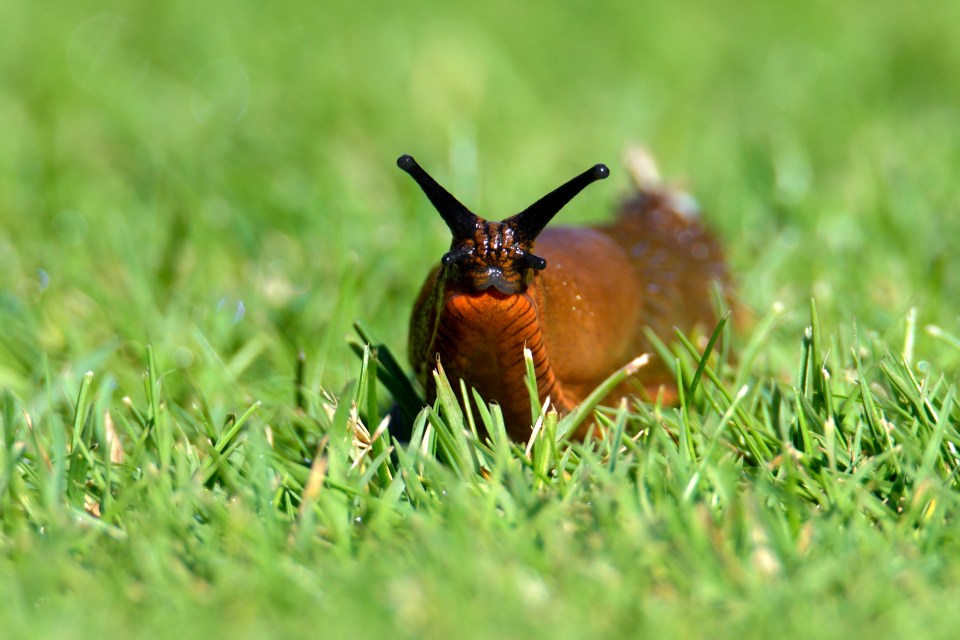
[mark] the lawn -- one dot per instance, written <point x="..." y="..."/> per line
<point x="199" y="200"/>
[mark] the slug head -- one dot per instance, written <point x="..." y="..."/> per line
<point x="485" y="253"/>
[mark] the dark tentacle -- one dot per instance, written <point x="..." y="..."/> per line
<point x="462" y="222"/>
<point x="531" y="221"/>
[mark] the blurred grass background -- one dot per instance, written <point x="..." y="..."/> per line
<point x="218" y="178"/>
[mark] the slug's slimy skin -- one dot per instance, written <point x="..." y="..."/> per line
<point x="581" y="303"/>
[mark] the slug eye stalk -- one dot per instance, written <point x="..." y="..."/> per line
<point x="485" y="253"/>
<point x="462" y="222"/>
<point x="527" y="224"/>
<point x="532" y="220"/>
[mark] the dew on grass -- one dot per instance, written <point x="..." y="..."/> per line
<point x="239" y="309"/>
<point x="183" y="358"/>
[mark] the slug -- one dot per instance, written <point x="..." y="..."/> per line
<point x="579" y="298"/>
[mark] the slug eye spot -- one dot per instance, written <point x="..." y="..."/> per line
<point x="454" y="256"/>
<point x="534" y="262"/>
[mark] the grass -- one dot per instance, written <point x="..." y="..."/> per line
<point x="193" y="194"/>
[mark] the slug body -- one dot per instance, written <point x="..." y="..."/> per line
<point x="580" y="305"/>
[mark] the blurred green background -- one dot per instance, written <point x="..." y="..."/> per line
<point x="218" y="178"/>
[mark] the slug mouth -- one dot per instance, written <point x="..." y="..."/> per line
<point x="494" y="277"/>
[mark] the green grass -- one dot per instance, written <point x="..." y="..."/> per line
<point x="191" y="194"/>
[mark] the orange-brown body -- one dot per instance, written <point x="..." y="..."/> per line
<point x="582" y="317"/>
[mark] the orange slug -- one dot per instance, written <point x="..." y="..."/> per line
<point x="579" y="298"/>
